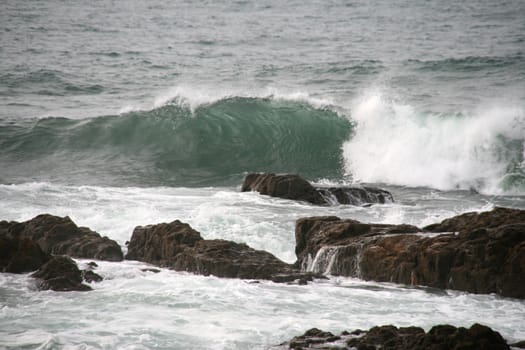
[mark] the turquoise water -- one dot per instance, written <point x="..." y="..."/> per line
<point x="178" y="93"/>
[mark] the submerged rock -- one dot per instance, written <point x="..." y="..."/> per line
<point x="90" y="276"/>
<point x="478" y="259"/>
<point x="61" y="236"/>
<point x="355" y="195"/>
<point x="290" y="186"/>
<point x="477" y="337"/>
<point x="178" y="246"/>
<point x="61" y="274"/>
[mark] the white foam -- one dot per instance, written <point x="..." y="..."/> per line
<point x="394" y="143"/>
<point x="193" y="97"/>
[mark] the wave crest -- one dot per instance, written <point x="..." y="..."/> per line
<point x="212" y="144"/>
<point x="396" y="144"/>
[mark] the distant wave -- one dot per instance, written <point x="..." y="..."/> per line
<point x="207" y="144"/>
<point x="394" y="143"/>
<point x="47" y="82"/>
<point x="470" y="63"/>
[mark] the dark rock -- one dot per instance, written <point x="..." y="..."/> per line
<point x="19" y="255"/>
<point x="150" y="270"/>
<point x="229" y="259"/>
<point x="301" y="278"/>
<point x="290" y="186"/>
<point x="90" y="276"/>
<point x="180" y="247"/>
<point x="60" y="236"/>
<point x="60" y="273"/>
<point x="479" y="259"/>
<point x="519" y="345"/>
<point x="286" y="186"/>
<point x="443" y="337"/>
<point x="355" y="195"/>
<point x="92" y="264"/>
<point x="470" y="222"/>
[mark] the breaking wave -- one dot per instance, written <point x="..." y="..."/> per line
<point x="395" y="143"/>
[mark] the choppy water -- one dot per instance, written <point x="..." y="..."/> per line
<point x="128" y="113"/>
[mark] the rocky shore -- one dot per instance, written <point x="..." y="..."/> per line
<point x="473" y="252"/>
<point x="441" y="337"/>
<point x="46" y="243"/>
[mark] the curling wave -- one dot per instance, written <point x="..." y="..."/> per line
<point x="175" y="145"/>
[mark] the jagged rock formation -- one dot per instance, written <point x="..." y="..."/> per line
<point x="180" y="247"/>
<point x="61" y="236"/>
<point x="290" y="186"/>
<point x="485" y="253"/>
<point x="60" y="274"/>
<point x="441" y="337"/>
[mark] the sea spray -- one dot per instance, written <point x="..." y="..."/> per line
<point x="397" y="144"/>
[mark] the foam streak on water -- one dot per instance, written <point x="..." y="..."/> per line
<point x="132" y="309"/>
<point x="195" y="312"/>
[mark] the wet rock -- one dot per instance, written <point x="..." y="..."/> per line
<point x="19" y="255"/>
<point x="290" y="186"/>
<point x="478" y="259"/>
<point x="471" y="222"/>
<point x="61" y="274"/>
<point x="355" y="195"/>
<point x="519" y="345"/>
<point x="404" y="338"/>
<point x="286" y="186"/>
<point x="160" y="244"/>
<point x="90" y="276"/>
<point x="150" y="270"/>
<point x="61" y="236"/>
<point x="180" y="247"/>
<point x="300" y="278"/>
<point x="229" y="259"/>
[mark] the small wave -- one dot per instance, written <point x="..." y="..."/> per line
<point x="48" y="82"/>
<point x="396" y="144"/>
<point x="470" y="63"/>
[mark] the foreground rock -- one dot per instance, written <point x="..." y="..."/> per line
<point x="61" y="236"/>
<point x="294" y="187"/>
<point x="58" y="273"/>
<point x="442" y="337"/>
<point x="180" y="247"/>
<point x="19" y="255"/>
<point x="61" y="274"/>
<point x="485" y="254"/>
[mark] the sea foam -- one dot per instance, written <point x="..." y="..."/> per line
<point x="397" y="144"/>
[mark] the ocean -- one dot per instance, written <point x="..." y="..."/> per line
<point x="128" y="113"/>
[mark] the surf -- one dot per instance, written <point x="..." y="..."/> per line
<point x="398" y="144"/>
<point x="177" y="144"/>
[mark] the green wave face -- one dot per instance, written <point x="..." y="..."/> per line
<point x="213" y="145"/>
